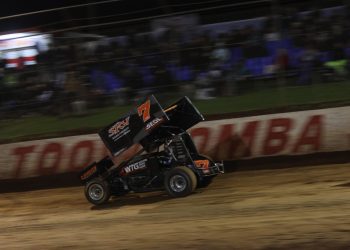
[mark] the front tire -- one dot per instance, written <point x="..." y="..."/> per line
<point x="180" y="181"/>
<point x="97" y="191"/>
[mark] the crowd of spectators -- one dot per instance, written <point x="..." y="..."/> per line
<point x="77" y="74"/>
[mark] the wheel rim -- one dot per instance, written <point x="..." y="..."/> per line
<point x="178" y="183"/>
<point x="96" y="192"/>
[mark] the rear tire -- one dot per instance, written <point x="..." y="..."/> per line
<point x="97" y="191"/>
<point x="180" y="181"/>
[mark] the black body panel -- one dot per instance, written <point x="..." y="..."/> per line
<point x="183" y="114"/>
<point x="95" y="169"/>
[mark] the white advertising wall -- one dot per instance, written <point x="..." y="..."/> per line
<point x="294" y="133"/>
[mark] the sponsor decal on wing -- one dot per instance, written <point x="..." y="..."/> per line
<point x="119" y="129"/>
<point x="154" y="123"/>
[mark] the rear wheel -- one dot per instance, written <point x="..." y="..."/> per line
<point x="180" y="181"/>
<point x="97" y="191"/>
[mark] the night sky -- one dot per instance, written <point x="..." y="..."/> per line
<point x="67" y="18"/>
<point x="24" y="6"/>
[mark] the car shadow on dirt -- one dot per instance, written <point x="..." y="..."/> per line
<point x="347" y="184"/>
<point x="133" y="199"/>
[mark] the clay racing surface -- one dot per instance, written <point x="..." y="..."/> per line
<point x="296" y="208"/>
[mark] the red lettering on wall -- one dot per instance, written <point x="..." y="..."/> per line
<point x="276" y="136"/>
<point x="245" y="141"/>
<point x="21" y="153"/>
<point x="88" y="147"/>
<point x="232" y="145"/>
<point x="204" y="133"/>
<point x="224" y="147"/>
<point x="311" y="134"/>
<point x="55" y="151"/>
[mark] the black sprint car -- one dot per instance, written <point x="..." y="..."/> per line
<point x="168" y="159"/>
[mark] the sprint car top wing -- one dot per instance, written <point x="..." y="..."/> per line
<point x="134" y="126"/>
<point x="183" y="114"/>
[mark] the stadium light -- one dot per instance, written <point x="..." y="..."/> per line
<point x="16" y="35"/>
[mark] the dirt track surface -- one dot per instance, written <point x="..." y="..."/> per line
<point x="297" y="208"/>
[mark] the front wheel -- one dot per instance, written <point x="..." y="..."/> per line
<point x="180" y="181"/>
<point x="97" y="191"/>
